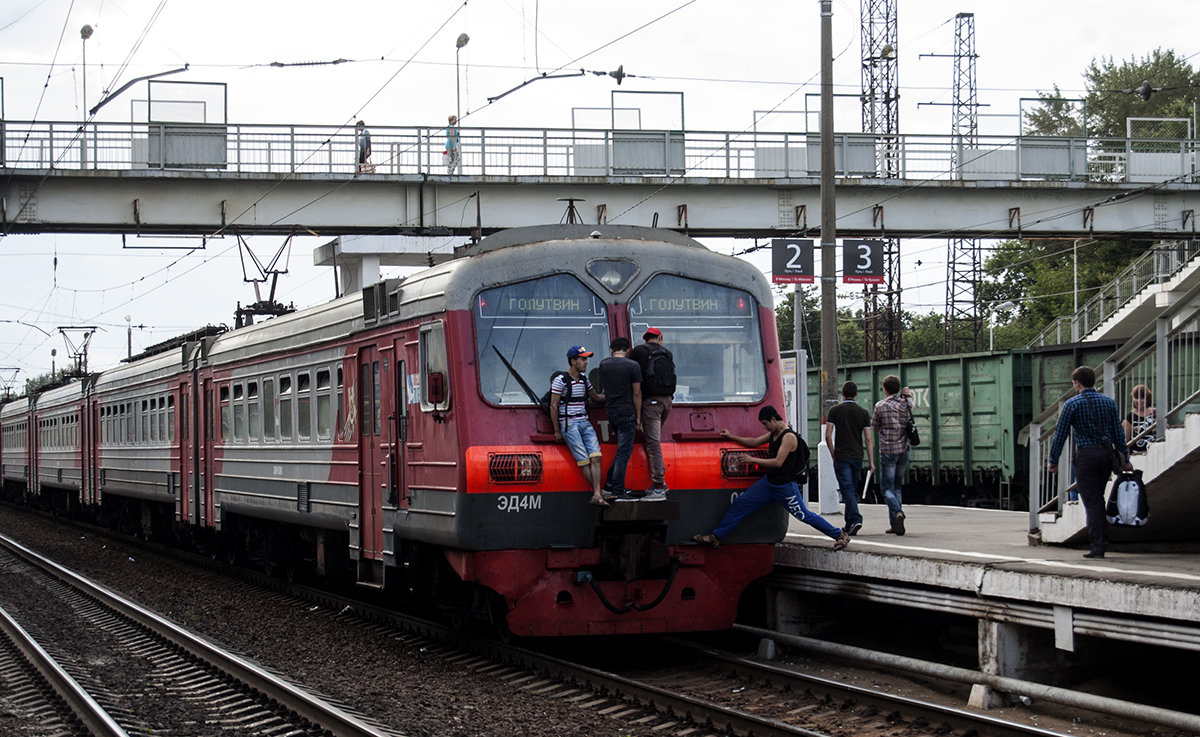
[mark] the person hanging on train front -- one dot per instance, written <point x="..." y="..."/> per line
<point x="658" y="391"/>
<point x="569" y="393"/>
<point x="787" y="459"/>
<point x="621" y="378"/>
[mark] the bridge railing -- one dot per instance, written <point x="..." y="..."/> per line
<point x="549" y="152"/>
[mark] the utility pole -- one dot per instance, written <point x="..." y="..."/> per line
<point x="828" y="220"/>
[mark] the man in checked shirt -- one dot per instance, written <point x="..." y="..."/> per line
<point x="891" y="414"/>
<point x="1097" y="425"/>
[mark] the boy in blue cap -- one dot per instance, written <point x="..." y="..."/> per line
<point x="568" y="405"/>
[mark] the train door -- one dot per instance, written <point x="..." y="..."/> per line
<point x="91" y="452"/>
<point x="207" y="426"/>
<point x="398" y="424"/>
<point x="185" y="446"/>
<point x="372" y="451"/>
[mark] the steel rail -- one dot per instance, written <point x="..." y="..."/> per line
<point x="82" y="705"/>
<point x="319" y="712"/>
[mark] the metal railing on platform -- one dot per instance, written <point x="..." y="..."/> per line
<point x="547" y="152"/>
<point x="1164" y="358"/>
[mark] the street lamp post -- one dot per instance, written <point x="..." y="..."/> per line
<point x="463" y="40"/>
<point x="84" y="33"/>
<point x="1005" y="305"/>
<point x="129" y="337"/>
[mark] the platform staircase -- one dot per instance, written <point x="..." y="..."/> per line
<point x="1162" y="325"/>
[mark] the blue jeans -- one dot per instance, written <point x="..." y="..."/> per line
<point x="626" y="429"/>
<point x="763" y="492"/>
<point x="892" y="467"/>
<point x="848" y="471"/>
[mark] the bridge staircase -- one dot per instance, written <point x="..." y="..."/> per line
<point x="1162" y="324"/>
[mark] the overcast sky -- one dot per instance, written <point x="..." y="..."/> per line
<point x="728" y="59"/>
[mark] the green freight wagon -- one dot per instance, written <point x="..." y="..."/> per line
<point x="969" y="409"/>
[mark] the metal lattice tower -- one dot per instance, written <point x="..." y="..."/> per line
<point x="964" y="319"/>
<point x="881" y="116"/>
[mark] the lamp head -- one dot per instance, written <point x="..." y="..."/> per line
<point x="86" y="32"/>
<point x="463" y="40"/>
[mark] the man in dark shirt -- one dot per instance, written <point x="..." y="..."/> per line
<point x="1094" y="419"/>
<point x="786" y="454"/>
<point x="621" y="378"/>
<point x="658" y="391"/>
<point x="845" y="428"/>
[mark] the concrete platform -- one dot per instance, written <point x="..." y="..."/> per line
<point x="1029" y="600"/>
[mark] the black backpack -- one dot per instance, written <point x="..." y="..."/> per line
<point x="803" y="457"/>
<point x="659" y="378"/>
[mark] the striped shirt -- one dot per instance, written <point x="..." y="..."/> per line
<point x="890" y="416"/>
<point x="576" y="407"/>
<point x="1092" y="416"/>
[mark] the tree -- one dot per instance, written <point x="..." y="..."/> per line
<point x="1115" y="93"/>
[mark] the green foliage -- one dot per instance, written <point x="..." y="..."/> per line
<point x="1112" y="97"/>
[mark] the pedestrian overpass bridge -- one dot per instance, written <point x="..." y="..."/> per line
<point x="202" y="179"/>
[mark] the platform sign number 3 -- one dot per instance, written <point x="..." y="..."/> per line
<point x="792" y="261"/>
<point x="862" y="262"/>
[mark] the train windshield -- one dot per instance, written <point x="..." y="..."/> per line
<point x="713" y="333"/>
<point x="524" y="331"/>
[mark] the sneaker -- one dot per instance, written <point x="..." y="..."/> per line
<point x="853" y="529"/>
<point x="890" y="530"/>
<point x="709" y="539"/>
<point x="842" y="541"/>
<point x="658" y="487"/>
<point x="634" y="493"/>
<point x="898" y="524"/>
<point x="628" y="495"/>
<point x="655" y="495"/>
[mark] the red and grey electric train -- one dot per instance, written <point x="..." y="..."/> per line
<point x="396" y="436"/>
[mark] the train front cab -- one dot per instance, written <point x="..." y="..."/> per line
<point x="523" y="529"/>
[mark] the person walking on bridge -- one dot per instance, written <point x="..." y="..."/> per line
<point x="1094" y="419"/>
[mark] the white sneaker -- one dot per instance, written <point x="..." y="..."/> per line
<point x="655" y="495"/>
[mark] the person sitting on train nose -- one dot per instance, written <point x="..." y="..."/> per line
<point x="569" y="393"/>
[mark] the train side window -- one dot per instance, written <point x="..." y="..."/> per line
<point x="304" y="405"/>
<point x="226" y="414"/>
<point x="171" y="418"/>
<point x="435" y="379"/>
<point x="337" y="400"/>
<point x="162" y="420"/>
<point x="253" y="414"/>
<point x="268" y="408"/>
<point x="239" y="413"/>
<point x="365" y="405"/>
<point x="324" y="419"/>
<point x="377" y="397"/>
<point x="285" y="407"/>
<point x="144" y="421"/>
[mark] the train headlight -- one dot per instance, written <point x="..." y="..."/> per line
<point x="515" y="468"/>
<point x="734" y="468"/>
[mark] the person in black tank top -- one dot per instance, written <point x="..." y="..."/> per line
<point x="787" y="456"/>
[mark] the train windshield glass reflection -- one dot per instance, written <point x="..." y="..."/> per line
<point x="713" y="333"/>
<point x="532" y="324"/>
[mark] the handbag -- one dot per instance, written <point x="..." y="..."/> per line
<point x="910" y="430"/>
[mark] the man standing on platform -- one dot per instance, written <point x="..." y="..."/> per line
<point x="891" y="415"/>
<point x="622" y="381"/>
<point x="658" y="391"/>
<point x="1094" y="419"/>
<point x="846" y="430"/>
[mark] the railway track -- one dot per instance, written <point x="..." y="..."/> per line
<point x="697" y="691"/>
<point x="145" y="674"/>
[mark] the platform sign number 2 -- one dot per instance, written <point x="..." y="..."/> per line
<point x="862" y="261"/>
<point x="792" y="261"/>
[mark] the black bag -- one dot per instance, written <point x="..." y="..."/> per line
<point x="1127" y="505"/>
<point x="659" y="379"/>
<point x="910" y="430"/>
<point x="1116" y="461"/>
<point x="804" y="455"/>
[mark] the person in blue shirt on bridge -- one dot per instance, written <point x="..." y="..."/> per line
<point x="453" y="152"/>
<point x="1094" y="419"/>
